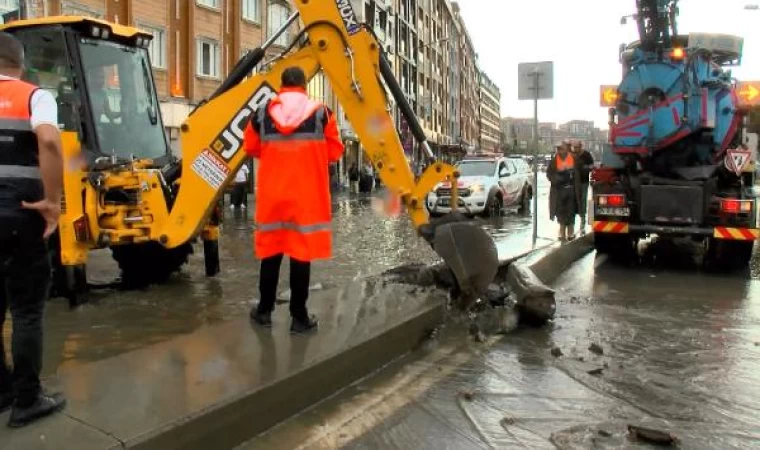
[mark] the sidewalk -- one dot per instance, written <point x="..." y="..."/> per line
<point x="222" y="384"/>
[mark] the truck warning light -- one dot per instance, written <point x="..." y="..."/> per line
<point x="608" y="95"/>
<point x="748" y="93"/>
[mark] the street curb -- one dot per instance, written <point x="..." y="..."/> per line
<point x="553" y="264"/>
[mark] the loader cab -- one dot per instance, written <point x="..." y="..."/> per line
<point x="101" y="77"/>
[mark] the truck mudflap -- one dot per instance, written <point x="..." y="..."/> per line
<point x="604" y="226"/>
<point x="736" y="234"/>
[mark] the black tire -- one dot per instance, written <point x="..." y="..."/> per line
<point x="211" y="257"/>
<point x="149" y="263"/>
<point x="69" y="282"/>
<point x="494" y="207"/>
<point x="525" y="199"/>
<point x="725" y="255"/>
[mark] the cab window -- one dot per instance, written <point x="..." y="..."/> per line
<point x="46" y="66"/>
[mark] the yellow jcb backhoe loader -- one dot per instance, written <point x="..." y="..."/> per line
<point x="125" y="191"/>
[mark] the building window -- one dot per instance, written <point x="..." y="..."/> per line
<point x="278" y="15"/>
<point x="207" y="58"/>
<point x="251" y="10"/>
<point x="157" y="48"/>
<point x="210" y="3"/>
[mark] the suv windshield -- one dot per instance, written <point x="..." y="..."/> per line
<point x="477" y="168"/>
<point x="123" y="102"/>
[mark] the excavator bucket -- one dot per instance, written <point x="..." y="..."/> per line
<point x="468" y="251"/>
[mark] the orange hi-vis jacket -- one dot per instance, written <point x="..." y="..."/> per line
<point x="20" y="176"/>
<point x="565" y="164"/>
<point x="294" y="139"/>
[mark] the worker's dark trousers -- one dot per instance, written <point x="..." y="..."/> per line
<point x="25" y="277"/>
<point x="300" y="272"/>
<point x="239" y="195"/>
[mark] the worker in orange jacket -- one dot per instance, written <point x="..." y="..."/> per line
<point x="294" y="139"/>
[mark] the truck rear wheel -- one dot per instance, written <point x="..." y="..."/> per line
<point x="149" y="263"/>
<point x="728" y="255"/>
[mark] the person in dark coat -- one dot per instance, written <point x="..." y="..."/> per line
<point x="563" y="200"/>
<point x="584" y="163"/>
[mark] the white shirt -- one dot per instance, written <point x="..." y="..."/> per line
<point x="242" y="174"/>
<point x="44" y="107"/>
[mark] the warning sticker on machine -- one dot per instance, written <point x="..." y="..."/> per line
<point x="211" y="169"/>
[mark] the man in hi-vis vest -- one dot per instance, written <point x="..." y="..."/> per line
<point x="294" y="139"/>
<point x="31" y="173"/>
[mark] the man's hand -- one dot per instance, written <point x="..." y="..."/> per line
<point x="50" y="211"/>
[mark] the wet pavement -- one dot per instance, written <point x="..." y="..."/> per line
<point x="660" y="344"/>
<point x="114" y="322"/>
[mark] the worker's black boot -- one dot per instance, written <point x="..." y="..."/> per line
<point x="44" y="405"/>
<point x="300" y="326"/>
<point x="6" y="401"/>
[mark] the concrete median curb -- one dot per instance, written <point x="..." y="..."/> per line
<point x="557" y="260"/>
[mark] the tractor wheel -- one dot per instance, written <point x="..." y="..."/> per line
<point x="69" y="282"/>
<point x="149" y="263"/>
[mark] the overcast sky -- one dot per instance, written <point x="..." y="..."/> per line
<point x="582" y="38"/>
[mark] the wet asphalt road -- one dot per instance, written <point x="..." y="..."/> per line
<point x="365" y="242"/>
<point x="678" y="350"/>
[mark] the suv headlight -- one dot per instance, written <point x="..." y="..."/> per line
<point x="478" y="187"/>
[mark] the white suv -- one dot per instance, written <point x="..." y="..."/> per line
<point x="486" y="186"/>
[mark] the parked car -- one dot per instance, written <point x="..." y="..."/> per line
<point x="487" y="186"/>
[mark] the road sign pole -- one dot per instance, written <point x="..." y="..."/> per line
<point x="535" y="82"/>
<point x="536" y="74"/>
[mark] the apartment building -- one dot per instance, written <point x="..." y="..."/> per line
<point x="469" y="85"/>
<point x="490" y="114"/>
<point x="518" y="135"/>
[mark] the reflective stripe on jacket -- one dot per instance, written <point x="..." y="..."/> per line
<point x="295" y="139"/>
<point x="20" y="177"/>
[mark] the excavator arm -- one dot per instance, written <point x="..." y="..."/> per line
<point x="350" y="57"/>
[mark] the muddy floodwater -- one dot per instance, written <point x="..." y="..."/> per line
<point x="660" y="344"/>
<point x="366" y="242"/>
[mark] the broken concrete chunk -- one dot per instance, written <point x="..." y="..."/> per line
<point x="535" y="300"/>
<point x="468" y="395"/>
<point x="505" y="422"/>
<point x="651" y="435"/>
<point x="596" y="349"/>
<point x="556" y="352"/>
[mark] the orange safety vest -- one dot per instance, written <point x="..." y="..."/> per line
<point x="294" y="139"/>
<point x="565" y="164"/>
<point x="20" y="177"/>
